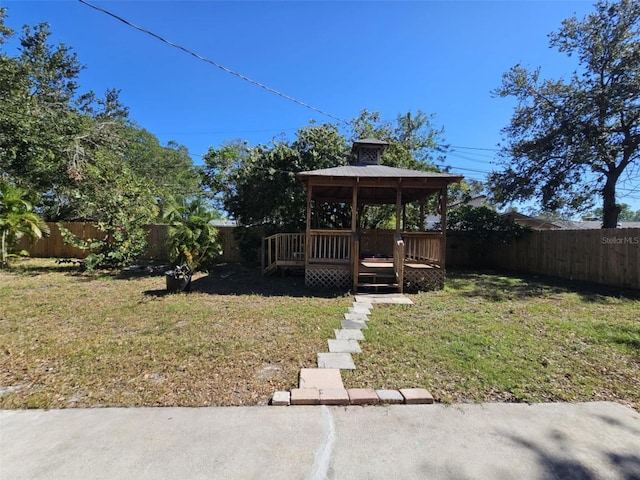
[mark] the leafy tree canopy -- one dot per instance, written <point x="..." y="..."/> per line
<point x="571" y="141"/>
<point x="485" y="223"/>
<point x="63" y="143"/>
<point x="626" y="214"/>
<point x="258" y="185"/>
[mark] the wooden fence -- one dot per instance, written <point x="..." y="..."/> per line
<point x="606" y="256"/>
<point x="54" y="247"/>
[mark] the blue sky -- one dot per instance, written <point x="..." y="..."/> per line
<point x="441" y="57"/>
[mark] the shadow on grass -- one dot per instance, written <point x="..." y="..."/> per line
<point x="30" y="268"/>
<point x="500" y="286"/>
<point x="236" y="279"/>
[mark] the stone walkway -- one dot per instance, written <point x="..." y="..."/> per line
<point x="323" y="385"/>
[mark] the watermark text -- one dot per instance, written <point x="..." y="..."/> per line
<point x="621" y="240"/>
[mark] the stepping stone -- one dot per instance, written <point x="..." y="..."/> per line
<point x="390" y="396"/>
<point x="350" y="324"/>
<point x="334" y="396"/>
<point x="320" y="378"/>
<point x="344" y="346"/>
<point x="356" y="316"/>
<point x="336" y="360"/>
<point x="365" y="304"/>
<point x="362" y="396"/>
<point x="360" y="308"/>
<point x="384" y="298"/>
<point x="305" y="396"/>
<point x="349" y="334"/>
<point x="281" y="399"/>
<point x="416" y="396"/>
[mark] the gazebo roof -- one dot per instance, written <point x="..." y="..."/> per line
<point x="377" y="184"/>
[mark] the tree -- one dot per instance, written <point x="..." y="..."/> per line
<point x="168" y="168"/>
<point x="37" y="89"/>
<point x="414" y="142"/>
<point x="572" y="141"/>
<point x="485" y="223"/>
<point x="626" y="214"/>
<point x="17" y="219"/>
<point x="258" y="185"/>
<point x="122" y="205"/>
<point x="53" y="137"/>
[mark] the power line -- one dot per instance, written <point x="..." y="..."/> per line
<point x="466" y="169"/>
<point x="464" y="157"/>
<point x="475" y="148"/>
<point x="215" y="64"/>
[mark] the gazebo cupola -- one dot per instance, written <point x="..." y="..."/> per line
<point x="367" y="151"/>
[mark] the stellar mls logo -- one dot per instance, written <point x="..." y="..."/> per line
<point x="621" y="240"/>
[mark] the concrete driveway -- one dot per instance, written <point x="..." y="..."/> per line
<point x="583" y="441"/>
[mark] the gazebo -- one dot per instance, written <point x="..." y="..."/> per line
<point x="367" y="260"/>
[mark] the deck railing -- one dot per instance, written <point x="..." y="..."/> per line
<point x="283" y="250"/>
<point x="335" y="247"/>
<point x="423" y="247"/>
<point x="330" y="246"/>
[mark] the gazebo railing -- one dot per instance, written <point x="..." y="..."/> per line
<point x="330" y="246"/>
<point x="335" y="247"/>
<point x="424" y="247"/>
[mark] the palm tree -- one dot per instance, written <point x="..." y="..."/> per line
<point x="17" y="219"/>
<point x="192" y="239"/>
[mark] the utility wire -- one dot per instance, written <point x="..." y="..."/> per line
<point x="475" y="148"/>
<point x="221" y="67"/>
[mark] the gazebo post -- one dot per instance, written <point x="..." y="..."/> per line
<point x="398" y="207"/>
<point x="404" y="218"/>
<point x="307" y="240"/>
<point x="355" y="241"/>
<point x="443" y="224"/>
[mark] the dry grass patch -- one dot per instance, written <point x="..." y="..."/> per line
<point x="86" y="340"/>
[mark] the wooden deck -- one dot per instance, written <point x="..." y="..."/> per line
<point x="410" y="260"/>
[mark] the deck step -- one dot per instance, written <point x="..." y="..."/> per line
<point x="377" y="278"/>
<point x="368" y="287"/>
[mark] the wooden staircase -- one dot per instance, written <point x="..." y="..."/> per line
<point x="378" y="277"/>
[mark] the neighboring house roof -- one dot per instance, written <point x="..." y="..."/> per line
<point x="535" y="223"/>
<point x="225" y="222"/>
<point x="477" y="201"/>
<point x="591" y="224"/>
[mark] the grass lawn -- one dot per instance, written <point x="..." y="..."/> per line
<point x="79" y="340"/>
<point x="508" y="339"/>
<point x="71" y="339"/>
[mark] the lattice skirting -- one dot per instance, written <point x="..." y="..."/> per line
<point x="327" y="277"/>
<point x="423" y="279"/>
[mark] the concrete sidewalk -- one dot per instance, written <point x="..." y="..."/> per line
<point x="488" y="441"/>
